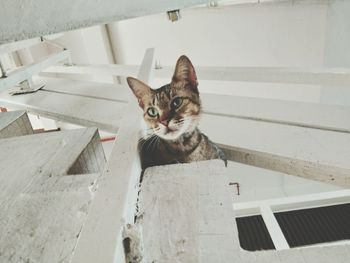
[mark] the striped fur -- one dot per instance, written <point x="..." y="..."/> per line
<point x="172" y="115"/>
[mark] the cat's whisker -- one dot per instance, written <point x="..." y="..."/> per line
<point x="151" y="141"/>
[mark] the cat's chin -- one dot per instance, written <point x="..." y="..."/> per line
<point x="171" y="135"/>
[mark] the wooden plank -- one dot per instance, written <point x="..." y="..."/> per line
<point x="7" y="48"/>
<point x="310" y="153"/>
<point x="185" y="214"/>
<point x="318" y="116"/>
<point x="101" y="69"/>
<point x="273" y="227"/>
<point x="85" y="111"/>
<point x="23" y="73"/>
<point x="293" y="149"/>
<point x="111" y="92"/>
<point x="311" y="76"/>
<point x="44" y="208"/>
<point x="11" y="47"/>
<point x="293" y="203"/>
<point x="312" y="115"/>
<point x="115" y="202"/>
<point x="14" y="123"/>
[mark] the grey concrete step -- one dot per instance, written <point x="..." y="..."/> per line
<point x="14" y="123"/>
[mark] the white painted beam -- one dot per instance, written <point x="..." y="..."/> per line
<point x="23" y="73"/>
<point x="311" y="153"/>
<point x="108" y="70"/>
<point x="309" y="115"/>
<point x="312" y="76"/>
<point x="266" y="133"/>
<point x="273" y="227"/>
<point x="84" y="111"/>
<point x="115" y="201"/>
<point x="293" y="202"/>
<point x="115" y="97"/>
<point x="11" y="47"/>
<point x="7" y="48"/>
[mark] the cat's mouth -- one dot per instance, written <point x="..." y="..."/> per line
<point x="169" y="133"/>
<point x="169" y="130"/>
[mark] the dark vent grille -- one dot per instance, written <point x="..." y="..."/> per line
<point x="315" y="225"/>
<point x="253" y="234"/>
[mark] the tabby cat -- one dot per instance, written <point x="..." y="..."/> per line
<point x="172" y="114"/>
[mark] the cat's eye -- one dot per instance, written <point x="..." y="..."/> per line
<point x="152" y="112"/>
<point x="176" y="103"/>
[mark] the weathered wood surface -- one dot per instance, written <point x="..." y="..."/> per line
<point x="186" y="215"/>
<point x="296" y="75"/>
<point x="301" y="114"/>
<point x="296" y="138"/>
<point x="43" y="208"/>
<point x="82" y="110"/>
<point x="115" y="203"/>
<point x="18" y="75"/>
<point x="112" y="98"/>
<point x="14" y="123"/>
<point x="311" y="153"/>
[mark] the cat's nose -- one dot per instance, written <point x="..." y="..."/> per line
<point x="165" y="122"/>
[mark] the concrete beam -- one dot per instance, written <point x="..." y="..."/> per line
<point x="22" y="19"/>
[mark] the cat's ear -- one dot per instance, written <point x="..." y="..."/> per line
<point x="139" y="89"/>
<point x="184" y="71"/>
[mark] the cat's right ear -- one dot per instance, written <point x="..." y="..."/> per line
<point x="139" y="89"/>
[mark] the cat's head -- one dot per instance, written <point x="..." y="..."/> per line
<point x="173" y="109"/>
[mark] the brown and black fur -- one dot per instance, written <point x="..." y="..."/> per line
<point x="172" y="134"/>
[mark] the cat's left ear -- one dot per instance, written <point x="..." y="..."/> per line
<point x="140" y="89"/>
<point x="184" y="71"/>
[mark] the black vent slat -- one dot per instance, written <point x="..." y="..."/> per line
<point x="315" y="225"/>
<point x="253" y="234"/>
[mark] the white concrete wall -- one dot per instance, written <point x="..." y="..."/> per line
<point x="239" y="35"/>
<point x="281" y="35"/>
<point x="337" y="50"/>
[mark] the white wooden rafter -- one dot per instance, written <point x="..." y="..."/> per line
<point x="267" y="208"/>
<point x="14" y="46"/>
<point x="26" y="72"/>
<point x="312" y="76"/>
<point x="115" y="202"/>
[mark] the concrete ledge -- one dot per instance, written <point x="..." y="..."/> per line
<point x="14" y="123"/>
